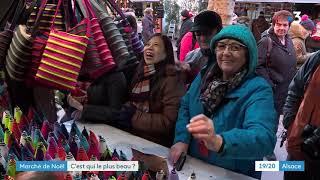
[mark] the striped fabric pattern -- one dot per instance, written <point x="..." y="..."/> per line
<point x="61" y="60"/>
<point x="137" y="44"/>
<point x="19" y="54"/>
<point x="46" y="18"/>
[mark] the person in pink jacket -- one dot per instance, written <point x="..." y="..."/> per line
<point x="188" y="43"/>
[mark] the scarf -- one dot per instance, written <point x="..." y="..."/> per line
<point x="213" y="88"/>
<point x="141" y="90"/>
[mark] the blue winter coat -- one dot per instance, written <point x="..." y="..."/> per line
<point x="246" y="119"/>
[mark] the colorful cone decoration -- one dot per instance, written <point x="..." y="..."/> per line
<point x="93" y="158"/>
<point x="74" y="148"/>
<point x="123" y="157"/>
<point x="65" y="145"/>
<point x="16" y="131"/>
<point x="52" y="135"/>
<point x="11" y="169"/>
<point x="115" y="154"/>
<point x="45" y="129"/>
<point x="75" y="128"/>
<point x="102" y="144"/>
<point x="3" y="163"/>
<point x="23" y="138"/>
<point x="68" y="177"/>
<point x="10" y="124"/>
<point x="122" y="177"/>
<point x="15" y="147"/>
<point x="39" y="155"/>
<point x="77" y="140"/>
<point x="52" y="147"/>
<point x="29" y="145"/>
<point x="70" y="157"/>
<point x="94" y="177"/>
<point x="112" y="178"/>
<point x="106" y="156"/>
<point x="5" y="118"/>
<point x="47" y="157"/>
<point x="77" y="177"/>
<point x="6" y="136"/>
<point x="56" y="129"/>
<point x="17" y="114"/>
<point x="38" y="138"/>
<point x="24" y="124"/>
<point x="61" y="153"/>
<point x="93" y="138"/>
<point x="26" y="154"/>
<point x="146" y="176"/>
<point x="173" y="175"/>
<point x="1" y="134"/>
<point x="64" y="131"/>
<point x="85" y="133"/>
<point x="93" y="150"/>
<point x="84" y="142"/>
<point x="82" y="155"/>
<point x="109" y="174"/>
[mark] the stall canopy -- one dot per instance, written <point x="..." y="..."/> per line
<point x="278" y="1"/>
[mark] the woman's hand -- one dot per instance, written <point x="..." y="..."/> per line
<point x="202" y="128"/>
<point x="176" y="151"/>
<point x="74" y="103"/>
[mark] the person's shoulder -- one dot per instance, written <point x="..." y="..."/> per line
<point x="256" y="83"/>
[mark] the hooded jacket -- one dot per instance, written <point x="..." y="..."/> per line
<point x="246" y="119"/>
<point x="298" y="35"/>
<point x="281" y="65"/>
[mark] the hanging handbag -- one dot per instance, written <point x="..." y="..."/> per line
<point x="47" y="18"/>
<point x="95" y="64"/>
<point x="113" y="36"/>
<point x="40" y="40"/>
<point x="125" y="29"/>
<point x="19" y="54"/>
<point x="62" y="58"/>
<point x="6" y="35"/>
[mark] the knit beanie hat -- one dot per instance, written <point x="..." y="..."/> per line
<point x="307" y="23"/>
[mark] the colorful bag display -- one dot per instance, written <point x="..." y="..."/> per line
<point x="113" y="36"/>
<point x="62" y="58"/>
<point x="19" y="54"/>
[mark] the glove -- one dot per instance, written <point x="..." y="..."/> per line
<point x="124" y="116"/>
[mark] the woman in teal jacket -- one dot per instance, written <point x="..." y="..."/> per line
<point x="227" y="118"/>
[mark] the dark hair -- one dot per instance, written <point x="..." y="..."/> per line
<point x="132" y="21"/>
<point x="283" y="14"/>
<point x="160" y="67"/>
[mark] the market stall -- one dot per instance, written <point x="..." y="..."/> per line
<point x="119" y="139"/>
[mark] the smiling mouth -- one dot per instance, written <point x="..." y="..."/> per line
<point x="149" y="55"/>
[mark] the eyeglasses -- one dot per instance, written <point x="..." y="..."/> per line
<point x="204" y="33"/>
<point x="234" y="47"/>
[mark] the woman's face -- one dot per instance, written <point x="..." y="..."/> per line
<point x="154" y="51"/>
<point x="231" y="56"/>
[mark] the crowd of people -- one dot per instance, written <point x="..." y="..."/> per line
<point x="222" y="100"/>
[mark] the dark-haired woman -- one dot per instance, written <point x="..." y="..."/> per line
<point x="155" y="94"/>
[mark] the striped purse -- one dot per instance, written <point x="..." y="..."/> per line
<point x="62" y="58"/>
<point x="47" y="18"/>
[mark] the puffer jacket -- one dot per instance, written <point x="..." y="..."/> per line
<point x="298" y="35"/>
<point x="158" y="124"/>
